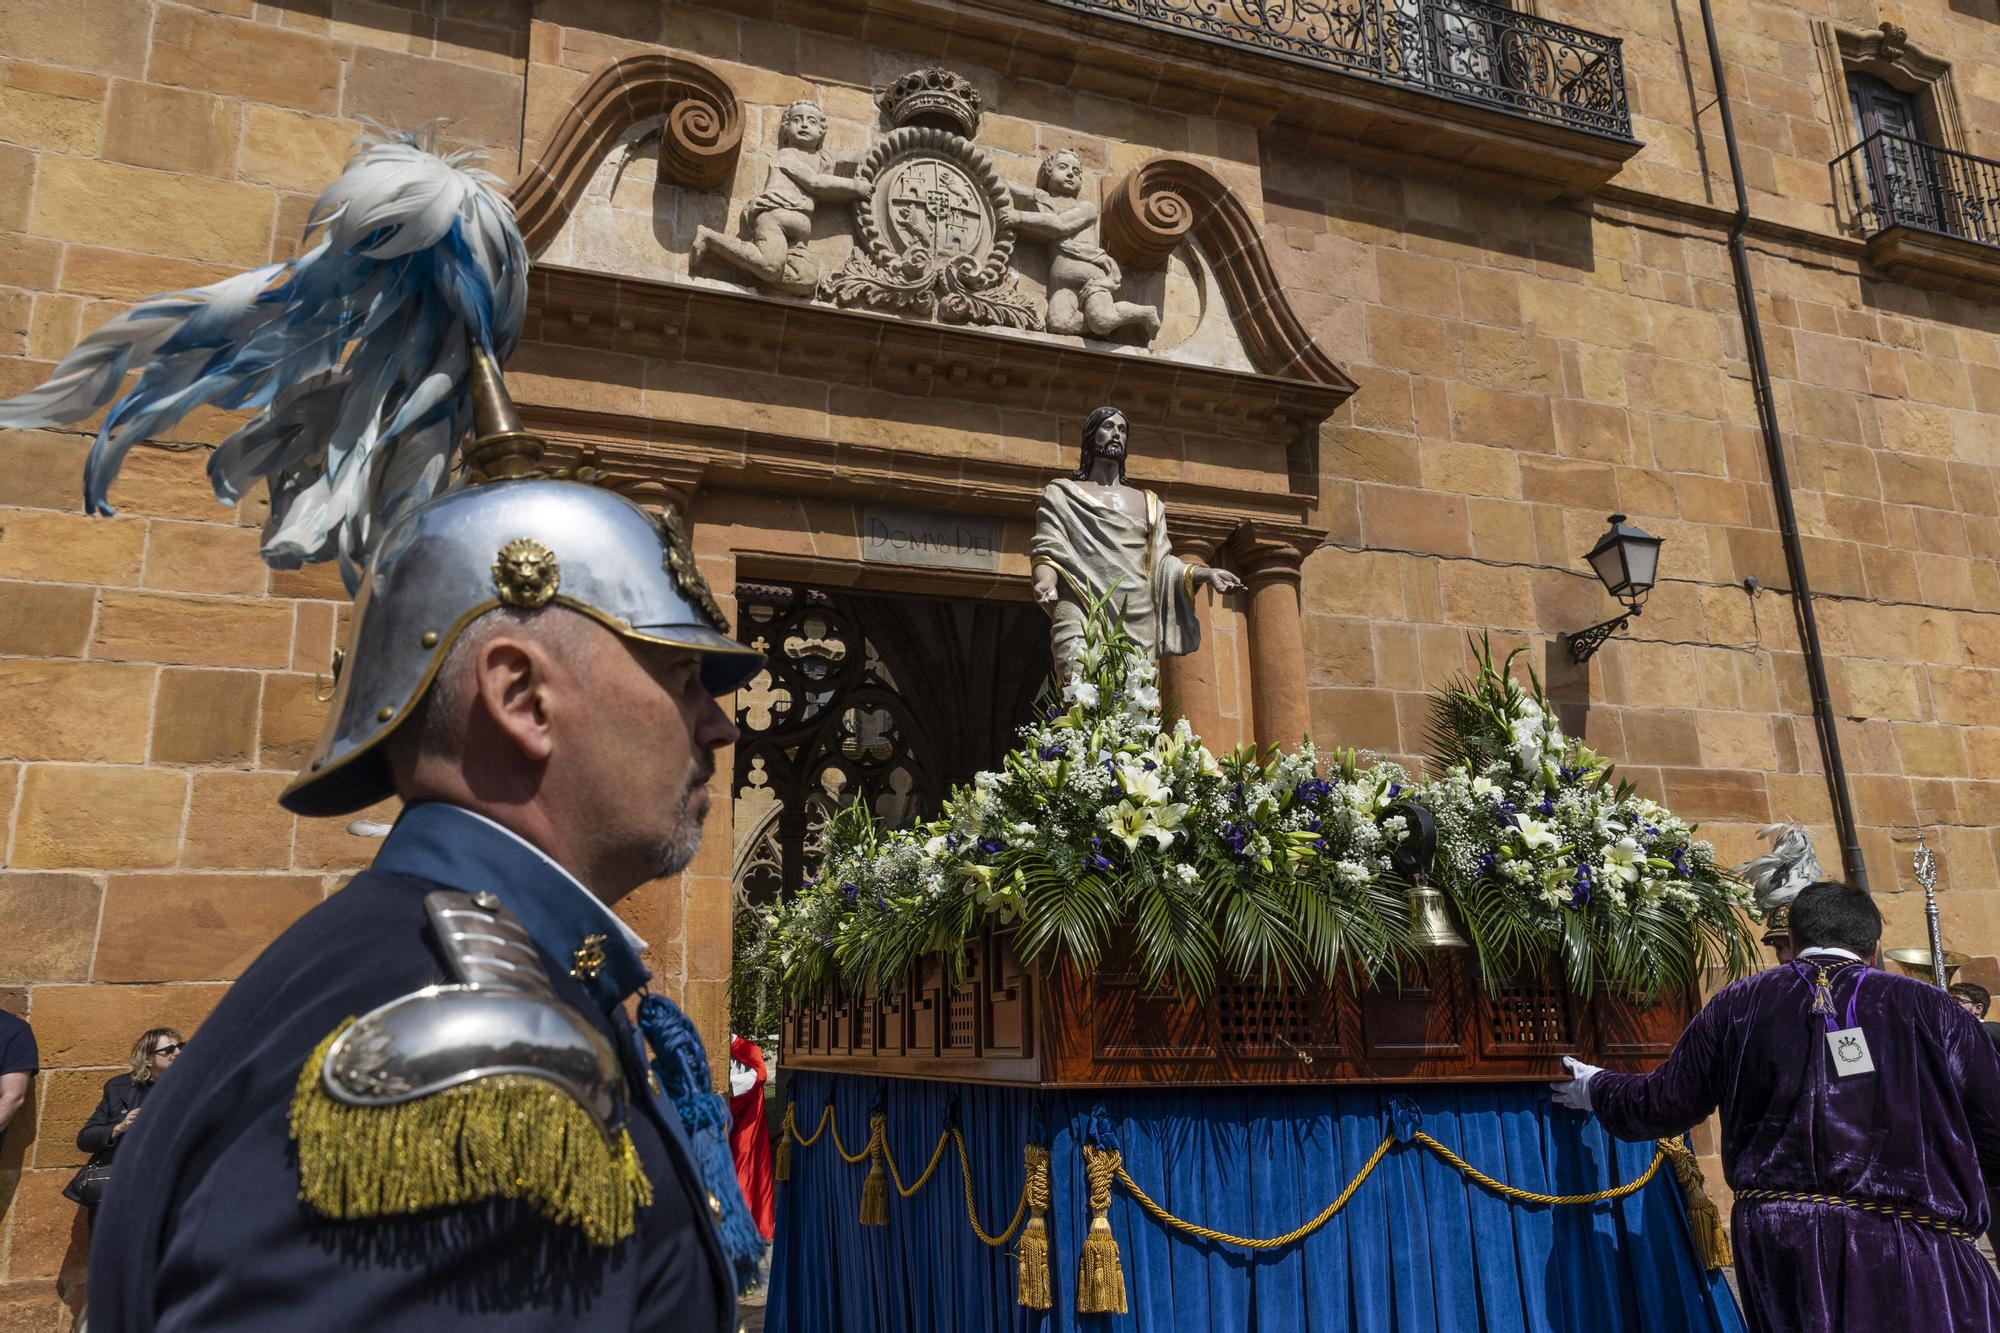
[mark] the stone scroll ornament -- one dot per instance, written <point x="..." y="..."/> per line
<point x="934" y="227"/>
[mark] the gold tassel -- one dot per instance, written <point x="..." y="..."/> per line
<point x="1034" y="1272"/>
<point x="1100" y="1283"/>
<point x="1711" y="1240"/>
<point x="781" y="1161"/>
<point x="507" y="1137"/>
<point x="875" y="1189"/>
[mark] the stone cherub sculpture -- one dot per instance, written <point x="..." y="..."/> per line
<point x="1083" y="279"/>
<point x="778" y="220"/>
<point x="1097" y="535"/>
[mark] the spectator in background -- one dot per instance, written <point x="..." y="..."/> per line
<point x="19" y="1062"/>
<point x="1977" y="1000"/>
<point x="749" y="1139"/>
<point x="152" y="1055"/>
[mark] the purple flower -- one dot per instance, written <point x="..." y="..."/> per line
<point x="1679" y="857"/>
<point x="951" y="841"/>
<point x="1486" y="863"/>
<point x="1311" y="792"/>
<point x="851" y="891"/>
<point x="1236" y="836"/>
<point x="1579" y="894"/>
<point x="1149" y="765"/>
<point x="1097" y="860"/>
<point x="1546" y="808"/>
<point x="1395" y="790"/>
<point x="1052" y="752"/>
<point x="992" y="846"/>
<point x="881" y="902"/>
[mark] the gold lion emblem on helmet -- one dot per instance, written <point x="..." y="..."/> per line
<point x="526" y="575"/>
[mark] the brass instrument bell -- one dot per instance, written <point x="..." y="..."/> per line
<point x="1917" y="962"/>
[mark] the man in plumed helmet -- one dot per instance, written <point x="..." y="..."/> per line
<point x="425" y="1106"/>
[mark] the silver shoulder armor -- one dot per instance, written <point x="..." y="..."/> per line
<point x="502" y="1018"/>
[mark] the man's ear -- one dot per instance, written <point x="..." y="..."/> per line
<point x="512" y="679"/>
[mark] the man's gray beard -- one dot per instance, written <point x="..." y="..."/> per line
<point x="676" y="851"/>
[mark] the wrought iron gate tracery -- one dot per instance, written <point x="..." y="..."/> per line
<point x="886" y="698"/>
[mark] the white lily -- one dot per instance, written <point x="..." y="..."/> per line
<point x="1080" y="692"/>
<point x="1144" y="785"/>
<point x="1485" y="788"/>
<point x="1534" y="833"/>
<point x="1143" y="698"/>
<point x="1131" y="823"/>
<point x="1622" y="860"/>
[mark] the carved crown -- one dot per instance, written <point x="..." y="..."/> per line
<point x="939" y="98"/>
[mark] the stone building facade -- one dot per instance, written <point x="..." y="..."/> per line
<point x="1429" y="309"/>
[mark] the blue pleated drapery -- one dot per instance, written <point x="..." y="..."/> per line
<point x="1419" y="1249"/>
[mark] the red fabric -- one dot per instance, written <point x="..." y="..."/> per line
<point x="750" y="1141"/>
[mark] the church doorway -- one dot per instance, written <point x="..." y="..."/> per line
<point x="888" y="698"/>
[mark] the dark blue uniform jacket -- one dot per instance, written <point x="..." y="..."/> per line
<point x="203" y="1228"/>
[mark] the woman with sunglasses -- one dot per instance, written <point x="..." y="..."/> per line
<point x="152" y="1055"/>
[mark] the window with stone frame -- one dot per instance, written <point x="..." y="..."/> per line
<point x="1901" y="152"/>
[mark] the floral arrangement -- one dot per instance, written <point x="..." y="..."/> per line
<point x="1547" y="855"/>
<point x="1277" y="866"/>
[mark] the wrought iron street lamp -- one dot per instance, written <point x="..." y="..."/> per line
<point x="1626" y="560"/>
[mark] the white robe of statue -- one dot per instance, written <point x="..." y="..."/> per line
<point x="1096" y="550"/>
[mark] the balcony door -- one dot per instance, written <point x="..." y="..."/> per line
<point x="1902" y="168"/>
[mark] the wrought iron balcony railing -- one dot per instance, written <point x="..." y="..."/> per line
<point x="1466" y="50"/>
<point x="1889" y="180"/>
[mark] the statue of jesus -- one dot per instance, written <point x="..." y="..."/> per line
<point x="1097" y="535"/>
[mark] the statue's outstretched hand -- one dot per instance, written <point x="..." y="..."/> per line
<point x="1045" y="585"/>
<point x="1222" y="580"/>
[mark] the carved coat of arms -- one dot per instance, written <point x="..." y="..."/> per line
<point x="935" y="224"/>
<point x="933" y="227"/>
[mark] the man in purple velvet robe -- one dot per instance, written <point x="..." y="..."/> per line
<point x="1860" y="1131"/>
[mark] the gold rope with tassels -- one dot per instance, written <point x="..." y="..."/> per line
<point x="1101" y="1286"/>
<point x="1032" y="1287"/>
<point x="1711" y="1239"/>
<point x="504" y="1137"/>
<point x="1100" y="1282"/>
<point x="875" y="1189"/>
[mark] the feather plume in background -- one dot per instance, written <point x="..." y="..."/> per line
<point x="1777" y="876"/>
<point x="353" y="356"/>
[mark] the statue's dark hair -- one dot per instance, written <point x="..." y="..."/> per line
<point x="1830" y="914"/>
<point x="1090" y="425"/>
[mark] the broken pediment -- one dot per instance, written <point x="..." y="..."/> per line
<point x="657" y="173"/>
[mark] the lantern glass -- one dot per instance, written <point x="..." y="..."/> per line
<point x="1626" y="559"/>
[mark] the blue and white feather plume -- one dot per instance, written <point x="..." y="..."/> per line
<point x="353" y="356"/>
<point x="1777" y="876"/>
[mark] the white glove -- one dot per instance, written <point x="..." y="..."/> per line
<point x="742" y="1078"/>
<point x="1574" y="1092"/>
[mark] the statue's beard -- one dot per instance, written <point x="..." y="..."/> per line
<point x="1090" y="457"/>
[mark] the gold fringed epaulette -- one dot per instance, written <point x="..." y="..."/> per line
<point x="505" y="1136"/>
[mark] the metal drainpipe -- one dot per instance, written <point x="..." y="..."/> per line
<point x="1781" y="482"/>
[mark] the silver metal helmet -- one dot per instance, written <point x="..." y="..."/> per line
<point x="523" y="544"/>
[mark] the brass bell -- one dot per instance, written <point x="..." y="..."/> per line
<point x="1917" y="962"/>
<point x="1431" y="926"/>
